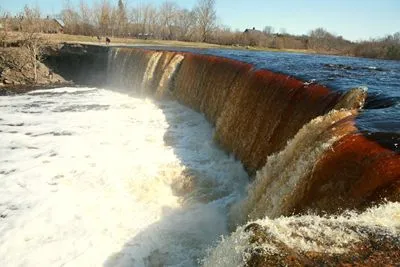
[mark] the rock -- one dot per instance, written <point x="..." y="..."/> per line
<point x="373" y="249"/>
<point x="6" y="81"/>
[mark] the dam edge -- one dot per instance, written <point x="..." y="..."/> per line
<point x="366" y="172"/>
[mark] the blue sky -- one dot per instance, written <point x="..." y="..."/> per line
<point x="353" y="19"/>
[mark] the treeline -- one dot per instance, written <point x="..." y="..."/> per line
<point x="169" y="21"/>
<point x="29" y="20"/>
<point x="386" y="48"/>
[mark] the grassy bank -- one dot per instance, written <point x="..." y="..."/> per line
<point x="67" y="38"/>
<point x="13" y="37"/>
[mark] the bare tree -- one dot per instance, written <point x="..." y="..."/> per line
<point x="223" y="35"/>
<point x="86" y="19"/>
<point x="396" y="37"/>
<point x="206" y="18"/>
<point x="168" y="13"/>
<point x="32" y="42"/>
<point x="143" y="18"/>
<point x="136" y="20"/>
<point x="321" y="39"/>
<point x="186" y="23"/>
<point x="71" y="18"/>
<point x="113" y="26"/>
<point x="34" y="45"/>
<point x="122" y="18"/>
<point x="4" y="17"/>
<point x="268" y="30"/>
<point x="103" y="17"/>
<point x="151" y="18"/>
<point x="30" y="19"/>
<point x="283" y="31"/>
<point x="387" y="47"/>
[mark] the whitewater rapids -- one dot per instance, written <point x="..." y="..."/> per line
<point x="90" y="177"/>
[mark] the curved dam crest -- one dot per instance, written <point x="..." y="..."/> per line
<point x="258" y="113"/>
<point x="139" y="164"/>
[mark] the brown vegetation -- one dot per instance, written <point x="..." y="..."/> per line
<point x="18" y="70"/>
<point x="387" y="47"/>
<point x="22" y="65"/>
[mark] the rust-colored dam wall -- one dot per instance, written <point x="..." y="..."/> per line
<point x="354" y="173"/>
<point x="265" y="119"/>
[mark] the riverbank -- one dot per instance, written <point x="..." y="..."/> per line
<point x="82" y="39"/>
<point x="17" y="74"/>
<point x="54" y="68"/>
<point x="255" y="114"/>
<point x="17" y="70"/>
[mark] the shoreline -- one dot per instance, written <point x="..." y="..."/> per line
<point x="88" y="40"/>
<point x="18" y="81"/>
<point x="25" y="88"/>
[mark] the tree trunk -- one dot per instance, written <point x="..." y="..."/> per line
<point x="34" y="66"/>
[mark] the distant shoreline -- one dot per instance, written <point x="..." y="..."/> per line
<point x="116" y="41"/>
<point x="18" y="80"/>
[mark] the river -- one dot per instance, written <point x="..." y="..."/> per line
<point x="94" y="177"/>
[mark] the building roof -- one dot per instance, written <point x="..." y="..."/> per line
<point x="59" y="21"/>
<point x="252" y="30"/>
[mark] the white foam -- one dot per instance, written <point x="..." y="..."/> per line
<point x="87" y="178"/>
<point x="282" y="180"/>
<point x="151" y="66"/>
<point x="332" y="235"/>
<point x="167" y="74"/>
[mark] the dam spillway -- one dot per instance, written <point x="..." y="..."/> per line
<point x="256" y="113"/>
<point x="146" y="184"/>
<point x="299" y="139"/>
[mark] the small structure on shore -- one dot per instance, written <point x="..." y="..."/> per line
<point x="252" y="31"/>
<point x="44" y="25"/>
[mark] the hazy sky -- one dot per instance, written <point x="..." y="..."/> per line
<point x="353" y="19"/>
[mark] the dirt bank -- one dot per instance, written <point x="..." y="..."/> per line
<point x="17" y="72"/>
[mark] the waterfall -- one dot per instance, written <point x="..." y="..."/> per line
<point x="191" y="148"/>
<point x="149" y="72"/>
<point x="299" y="139"/>
<point x="167" y="74"/>
<point x="284" y="179"/>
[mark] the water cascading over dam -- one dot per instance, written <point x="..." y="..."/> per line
<point x="299" y="139"/>
<point x="192" y="159"/>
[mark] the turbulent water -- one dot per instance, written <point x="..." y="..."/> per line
<point x="333" y="235"/>
<point x="92" y="177"/>
<point x="381" y="117"/>
<point x="89" y="177"/>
